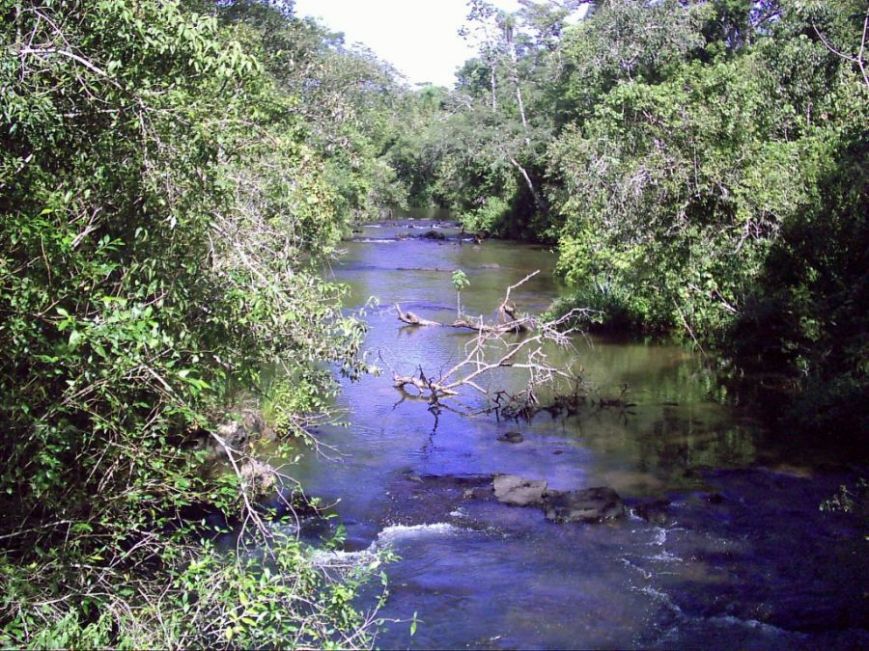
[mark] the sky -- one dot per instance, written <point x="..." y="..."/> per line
<point x="418" y="37"/>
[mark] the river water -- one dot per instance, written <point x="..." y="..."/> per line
<point x="740" y="557"/>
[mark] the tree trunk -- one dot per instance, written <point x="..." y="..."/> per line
<point x="514" y="75"/>
<point x="492" y="80"/>
<point x="538" y="202"/>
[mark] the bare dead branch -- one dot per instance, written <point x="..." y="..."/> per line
<point x="45" y="51"/>
<point x="412" y="319"/>
<point x="857" y="59"/>
<point x="518" y="344"/>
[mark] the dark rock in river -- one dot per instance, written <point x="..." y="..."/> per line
<point x="511" y="437"/>
<point x="588" y="505"/>
<point x="516" y="491"/>
<point x="654" y="511"/>
<point x="715" y="498"/>
<point x="434" y="235"/>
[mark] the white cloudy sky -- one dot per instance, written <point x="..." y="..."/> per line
<point x="418" y="37"/>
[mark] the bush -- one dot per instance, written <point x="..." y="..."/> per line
<point x="491" y="217"/>
<point x="162" y="223"/>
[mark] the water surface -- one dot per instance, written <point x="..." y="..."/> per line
<point x="742" y="557"/>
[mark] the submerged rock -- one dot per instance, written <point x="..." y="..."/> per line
<point x="477" y="493"/>
<point x="434" y="235"/>
<point x="588" y="505"/>
<point x="517" y="491"/>
<point x="511" y="437"/>
<point x="261" y="476"/>
<point x="715" y="498"/>
<point x="654" y="511"/>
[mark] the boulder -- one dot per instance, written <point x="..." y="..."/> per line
<point x="517" y="491"/>
<point x="261" y="476"/>
<point x="239" y="434"/>
<point x="588" y="505"/>
<point x="654" y="511"/>
<point x="234" y="434"/>
<point x="511" y="437"/>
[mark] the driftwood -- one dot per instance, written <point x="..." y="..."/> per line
<point x="412" y="319"/>
<point x="516" y="325"/>
<point x="506" y="313"/>
<point x="491" y="349"/>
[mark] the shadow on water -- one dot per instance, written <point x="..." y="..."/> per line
<point x="732" y="550"/>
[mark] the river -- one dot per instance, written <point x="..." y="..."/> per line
<point x="740" y="557"/>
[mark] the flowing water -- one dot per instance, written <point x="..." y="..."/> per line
<point x="741" y="557"/>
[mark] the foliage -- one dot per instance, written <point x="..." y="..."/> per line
<point x="623" y="41"/>
<point x="164" y="212"/>
<point x="286" y="600"/>
<point x="488" y="218"/>
<point x="702" y="165"/>
<point x="483" y="153"/>
<point x="718" y="193"/>
<point x="460" y="282"/>
<point x="348" y="99"/>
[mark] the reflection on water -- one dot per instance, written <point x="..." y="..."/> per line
<point x="728" y="563"/>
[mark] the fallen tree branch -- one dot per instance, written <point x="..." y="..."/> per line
<point x="494" y="348"/>
<point x="517" y="325"/>
<point x="412" y="319"/>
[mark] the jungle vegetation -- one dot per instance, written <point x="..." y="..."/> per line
<point x="701" y="167"/>
<point x="175" y="173"/>
<point x="172" y="176"/>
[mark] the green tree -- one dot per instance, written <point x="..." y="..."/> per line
<point x="163" y="216"/>
<point x="460" y="282"/>
<point x="684" y="155"/>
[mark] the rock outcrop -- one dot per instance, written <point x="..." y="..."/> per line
<point x="516" y="491"/>
<point x="238" y="434"/>
<point x="511" y="437"/>
<point x="260" y="476"/>
<point x="588" y="505"/>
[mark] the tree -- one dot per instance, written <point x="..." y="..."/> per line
<point x="460" y="282"/>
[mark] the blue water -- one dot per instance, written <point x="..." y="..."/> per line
<point x="743" y="558"/>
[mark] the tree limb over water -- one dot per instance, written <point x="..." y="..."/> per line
<point x="516" y="344"/>
<point x="517" y="325"/>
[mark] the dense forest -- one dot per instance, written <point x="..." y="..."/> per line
<point x="175" y="174"/>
